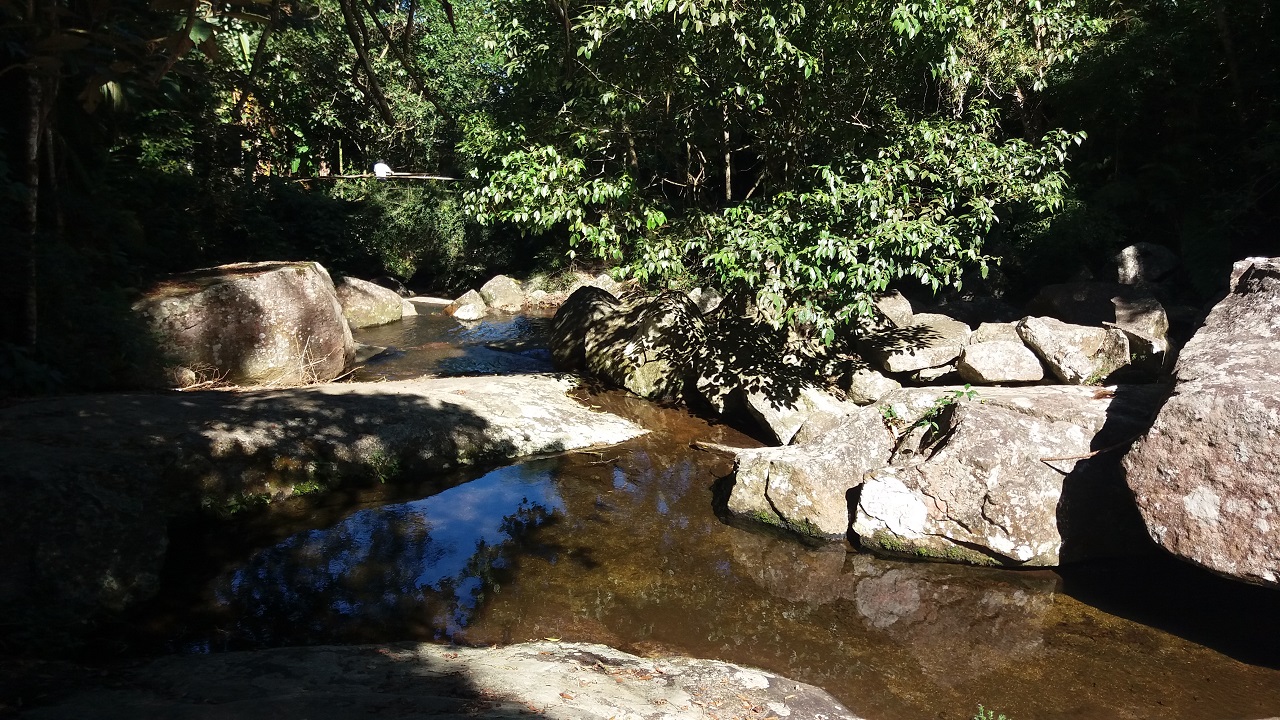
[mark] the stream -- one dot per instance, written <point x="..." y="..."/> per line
<point x="623" y="547"/>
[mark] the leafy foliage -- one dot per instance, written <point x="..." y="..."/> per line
<point x="772" y="157"/>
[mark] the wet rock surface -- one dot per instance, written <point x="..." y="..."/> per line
<point x="1206" y="476"/>
<point x="545" y="679"/>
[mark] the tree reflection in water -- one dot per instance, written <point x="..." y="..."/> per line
<point x="414" y="565"/>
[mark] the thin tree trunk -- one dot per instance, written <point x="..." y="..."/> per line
<point x="358" y="35"/>
<point x="254" y="67"/>
<point x="728" y="160"/>
<point x="31" y="207"/>
<point x="1233" y="67"/>
<point x="409" y="67"/>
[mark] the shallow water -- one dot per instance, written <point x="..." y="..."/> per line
<point x="433" y="343"/>
<point x="622" y="547"/>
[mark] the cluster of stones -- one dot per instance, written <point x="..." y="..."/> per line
<point x="503" y="294"/>
<point x="1025" y="470"/>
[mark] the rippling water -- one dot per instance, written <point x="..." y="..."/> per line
<point x="622" y="547"/>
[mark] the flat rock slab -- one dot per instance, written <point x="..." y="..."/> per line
<point x="119" y="468"/>
<point x="427" y="423"/>
<point x="546" y="679"/>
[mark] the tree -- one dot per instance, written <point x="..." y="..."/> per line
<point x="791" y="150"/>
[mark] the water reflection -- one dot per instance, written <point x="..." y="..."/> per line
<point x="382" y="564"/>
<point x="432" y="343"/>
<point x="621" y="547"/>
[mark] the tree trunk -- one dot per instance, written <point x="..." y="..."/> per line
<point x="31" y="207"/>
<point x="728" y="160"/>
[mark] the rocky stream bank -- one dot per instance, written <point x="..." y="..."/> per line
<point x="1028" y="465"/>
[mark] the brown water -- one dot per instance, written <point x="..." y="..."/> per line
<point x="623" y="547"/>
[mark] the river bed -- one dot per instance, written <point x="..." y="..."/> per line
<point x="624" y="547"/>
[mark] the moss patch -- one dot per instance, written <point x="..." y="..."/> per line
<point x="890" y="543"/>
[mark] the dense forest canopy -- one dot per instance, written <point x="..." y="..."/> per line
<point x="808" y="154"/>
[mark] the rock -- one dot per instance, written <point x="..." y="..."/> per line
<point x="743" y="354"/>
<point x="430" y="301"/>
<point x="468" y="307"/>
<point x="895" y="308"/>
<point x="365" y="304"/>
<point x="252" y="323"/>
<point x="983" y="487"/>
<point x="646" y="345"/>
<point x="866" y="386"/>
<point x="1075" y="354"/>
<point x="407" y="309"/>
<point x="606" y="283"/>
<point x="503" y="293"/>
<point x="980" y="309"/>
<point x="1079" y="303"/>
<point x="707" y="299"/>
<point x="411" y="680"/>
<point x="1206" y="477"/>
<point x="150" y="459"/>
<point x="992" y="331"/>
<point x="1145" y="263"/>
<point x="999" y="361"/>
<point x="1097" y="303"/>
<point x="586" y="307"/>
<point x="365" y="353"/>
<point x="814" y="408"/>
<point x="934" y="375"/>
<point x="804" y="487"/>
<point x="1145" y="317"/>
<point x="393" y="285"/>
<point x="930" y="341"/>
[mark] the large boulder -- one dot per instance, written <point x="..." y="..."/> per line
<point x="470" y="306"/>
<point x="930" y="341"/>
<point x="646" y="345"/>
<point x="1010" y="477"/>
<point x="586" y="307"/>
<point x="252" y="323"/>
<point x="895" y="308"/>
<point x="1207" y="476"/>
<point x="805" y="487"/>
<point x="503" y="293"/>
<point x="1076" y="354"/>
<point x="365" y="304"/>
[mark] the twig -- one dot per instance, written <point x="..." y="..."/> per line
<point x="716" y="447"/>
<point x="1088" y="455"/>
<point x="392" y="176"/>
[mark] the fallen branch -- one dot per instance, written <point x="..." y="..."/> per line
<point x="1088" y="455"/>
<point x="716" y="447"/>
<point x="392" y="176"/>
